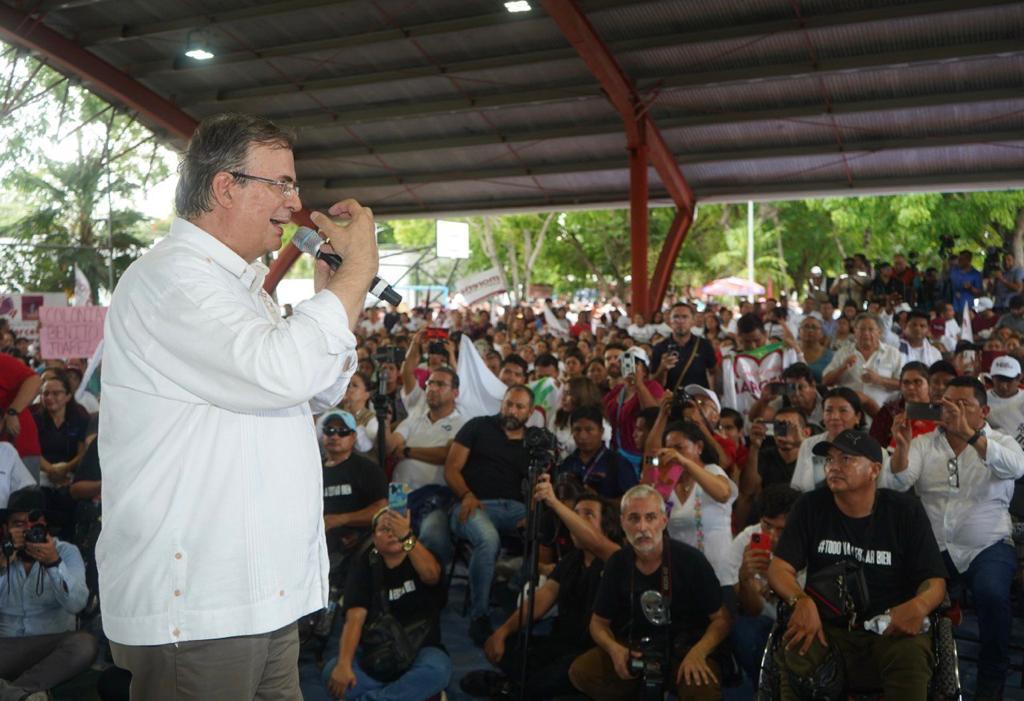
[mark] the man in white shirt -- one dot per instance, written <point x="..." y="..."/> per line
<point x="964" y="474"/>
<point x="207" y="427"/>
<point x="1005" y="400"/>
<point x="915" y="345"/>
<point x="867" y="366"/>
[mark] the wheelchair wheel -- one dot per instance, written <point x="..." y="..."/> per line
<point x="945" y="684"/>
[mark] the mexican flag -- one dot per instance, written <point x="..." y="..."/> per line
<point x="745" y="373"/>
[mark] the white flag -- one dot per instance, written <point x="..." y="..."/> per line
<point x="480" y="392"/>
<point x="966" y="331"/>
<point x="83" y="290"/>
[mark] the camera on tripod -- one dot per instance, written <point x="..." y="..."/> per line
<point x="650" y="667"/>
<point x="541" y="444"/>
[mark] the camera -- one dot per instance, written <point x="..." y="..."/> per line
<point x="36" y="530"/>
<point x="389" y="354"/>
<point x="541" y="444"/>
<point x="679" y="402"/>
<point x="650" y="667"/>
<point x="437" y="348"/>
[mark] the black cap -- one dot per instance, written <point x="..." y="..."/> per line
<point x="852" y="442"/>
<point x="28" y="499"/>
<point x="962" y="346"/>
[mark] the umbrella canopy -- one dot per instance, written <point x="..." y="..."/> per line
<point x="732" y="287"/>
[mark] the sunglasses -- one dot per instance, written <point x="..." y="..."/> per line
<point x="335" y="431"/>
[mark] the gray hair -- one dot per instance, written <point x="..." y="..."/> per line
<point x="873" y="317"/>
<point x="221" y="143"/>
<point x="641" y="491"/>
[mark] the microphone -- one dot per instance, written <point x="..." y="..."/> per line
<point x="308" y="241"/>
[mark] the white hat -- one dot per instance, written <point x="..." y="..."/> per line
<point x="697" y="389"/>
<point x="638" y="353"/>
<point x="983" y="304"/>
<point x="904" y="307"/>
<point x="1005" y="366"/>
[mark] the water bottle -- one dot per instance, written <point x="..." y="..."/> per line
<point x="879" y="623"/>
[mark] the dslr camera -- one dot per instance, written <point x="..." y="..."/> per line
<point x="651" y="667"/>
<point x="35" y="532"/>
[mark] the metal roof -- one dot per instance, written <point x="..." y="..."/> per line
<point x="455" y="106"/>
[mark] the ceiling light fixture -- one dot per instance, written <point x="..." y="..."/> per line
<point x="196" y="47"/>
<point x="518" y="6"/>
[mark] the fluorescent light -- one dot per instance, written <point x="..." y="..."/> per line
<point x="518" y="6"/>
<point x="197" y="47"/>
<point x="199" y="54"/>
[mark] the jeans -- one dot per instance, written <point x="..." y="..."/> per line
<point x="483" y="530"/>
<point x="988" y="578"/>
<point x="749" y="637"/>
<point x="430" y="673"/>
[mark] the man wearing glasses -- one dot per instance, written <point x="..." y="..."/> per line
<point x="964" y="473"/>
<point x="207" y="427"/>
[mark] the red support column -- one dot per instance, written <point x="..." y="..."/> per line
<point x="669" y="252"/>
<point x="638" y="225"/>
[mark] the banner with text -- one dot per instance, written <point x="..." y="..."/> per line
<point x="21" y="309"/>
<point x="70" y="332"/>
<point x="479" y="287"/>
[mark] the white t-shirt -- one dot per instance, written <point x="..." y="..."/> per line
<point x="420" y="432"/>
<point x="716" y="522"/>
<point x="1007" y="415"/>
<point x="886" y="361"/>
<point x="13" y="473"/>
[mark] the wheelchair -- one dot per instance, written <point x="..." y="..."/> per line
<point x="944" y="684"/>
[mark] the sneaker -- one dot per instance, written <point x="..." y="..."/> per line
<point x="479" y="630"/>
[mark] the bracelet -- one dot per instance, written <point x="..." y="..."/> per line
<point x="792" y="601"/>
<point x="54" y="564"/>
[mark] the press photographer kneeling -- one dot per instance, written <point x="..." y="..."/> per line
<point x="42" y="588"/>
<point x="658" y="618"/>
<point x="870" y="555"/>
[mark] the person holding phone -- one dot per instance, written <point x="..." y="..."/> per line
<point x="914" y="399"/>
<point x="747" y="573"/>
<point x="772" y="459"/>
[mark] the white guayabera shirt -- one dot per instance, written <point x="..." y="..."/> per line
<point x="212" y="492"/>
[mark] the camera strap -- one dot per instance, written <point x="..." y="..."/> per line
<point x="689" y="362"/>
<point x="665" y="584"/>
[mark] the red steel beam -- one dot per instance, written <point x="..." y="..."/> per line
<point x="640" y="129"/>
<point x="66" y="56"/>
<point x="638" y="219"/>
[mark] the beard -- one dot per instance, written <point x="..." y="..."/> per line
<point x="645" y="541"/>
<point x="511" y="423"/>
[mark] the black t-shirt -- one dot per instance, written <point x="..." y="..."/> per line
<point x="89" y="468"/>
<point x="697" y="374"/>
<point x="771" y="465"/>
<point x="61" y="444"/>
<point x="350" y="486"/>
<point x="409" y="599"/>
<point x="696" y="594"/>
<point x="577" y="591"/>
<point x="497" y="465"/>
<point x="898" y="549"/>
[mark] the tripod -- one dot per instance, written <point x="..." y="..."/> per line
<point x="380" y="408"/>
<point x="539" y="463"/>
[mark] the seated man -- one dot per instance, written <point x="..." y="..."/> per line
<point x="772" y="459"/>
<point x="572" y="586"/>
<point x="887" y="536"/>
<point x="653" y="569"/>
<point x="42" y="587"/>
<point x="355" y="488"/>
<point x="592" y="463"/>
<point x="748" y="575"/>
<point x="964" y="473"/>
<point x="486" y="467"/>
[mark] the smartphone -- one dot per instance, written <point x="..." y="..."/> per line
<point x="398" y="497"/>
<point x="780" y="428"/>
<point x="922" y="411"/>
<point x="761" y="541"/>
<point x="628" y="365"/>
<point x="769" y="429"/>
<point x="776" y="388"/>
<point x="434" y="333"/>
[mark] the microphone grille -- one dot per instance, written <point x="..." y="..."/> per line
<point x="307" y="240"/>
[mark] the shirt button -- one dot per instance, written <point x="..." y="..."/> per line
<point x="176" y="633"/>
<point x="177" y="556"/>
<point x="177" y="592"/>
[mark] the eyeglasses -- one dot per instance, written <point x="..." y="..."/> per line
<point x="335" y="431"/>
<point x="954" y="473"/>
<point x="287" y="187"/>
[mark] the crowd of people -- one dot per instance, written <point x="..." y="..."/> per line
<point x="705" y="470"/>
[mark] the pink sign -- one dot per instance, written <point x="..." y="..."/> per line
<point x="70" y="332"/>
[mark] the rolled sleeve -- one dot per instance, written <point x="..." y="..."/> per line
<point x="1004" y="457"/>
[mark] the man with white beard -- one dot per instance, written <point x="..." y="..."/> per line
<point x="639" y="583"/>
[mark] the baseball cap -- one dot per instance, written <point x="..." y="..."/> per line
<point x="852" y="442"/>
<point x="983" y="304"/>
<point x="694" y="390"/>
<point x="904" y="307"/>
<point x="336" y="415"/>
<point x="638" y="353"/>
<point x="1005" y="366"/>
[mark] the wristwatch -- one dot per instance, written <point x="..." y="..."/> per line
<point x="409" y="542"/>
<point x="405" y="451"/>
<point x="12" y="412"/>
<point x="974" y="439"/>
<point x="792" y="601"/>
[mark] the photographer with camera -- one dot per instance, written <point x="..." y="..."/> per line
<point x="658" y="619"/>
<point x="796" y="388"/>
<point x="485" y="469"/>
<point x="851" y="285"/>
<point x="388" y="388"/>
<point x="42" y="588"/>
<point x="683" y="358"/>
<point x="774" y="450"/>
<point x="636" y="393"/>
<point x="440" y="350"/>
<point x="868" y="552"/>
<point x="592" y="523"/>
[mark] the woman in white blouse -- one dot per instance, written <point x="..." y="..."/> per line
<point x="700" y="505"/>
